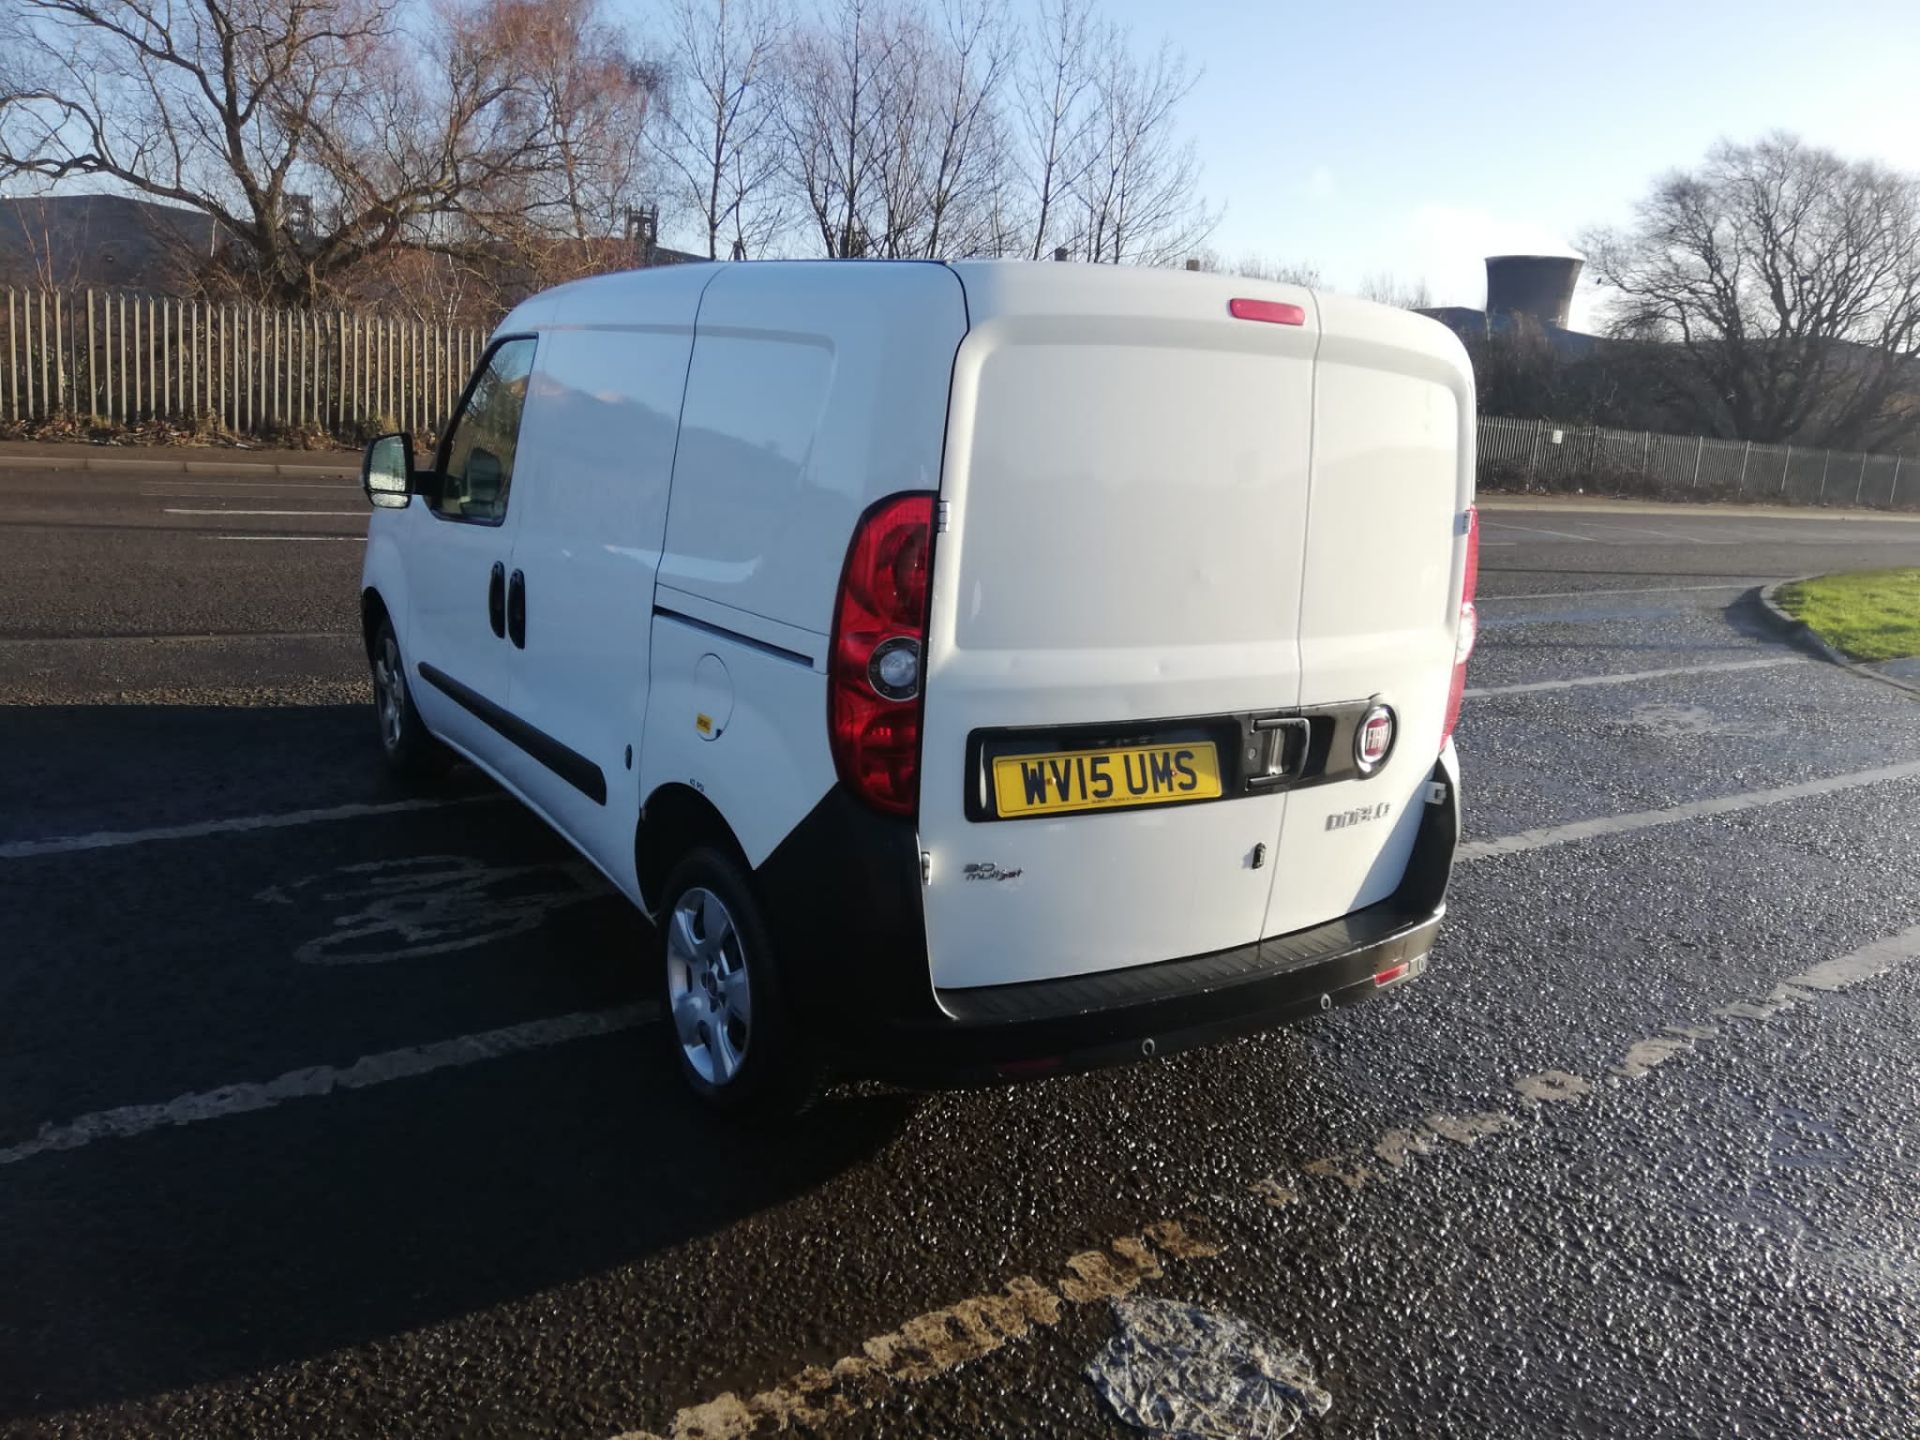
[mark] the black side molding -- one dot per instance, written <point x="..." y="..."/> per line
<point x="570" y="765"/>
<point x="764" y="647"/>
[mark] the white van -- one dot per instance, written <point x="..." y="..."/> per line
<point x="974" y="670"/>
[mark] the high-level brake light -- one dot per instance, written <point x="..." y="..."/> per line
<point x="1274" y="312"/>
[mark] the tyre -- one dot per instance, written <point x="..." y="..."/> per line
<point x="410" y="751"/>
<point x="737" y="1045"/>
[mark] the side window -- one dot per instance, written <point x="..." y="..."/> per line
<point x="477" y="469"/>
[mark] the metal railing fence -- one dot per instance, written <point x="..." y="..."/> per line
<point x="116" y="357"/>
<point x="1541" y="455"/>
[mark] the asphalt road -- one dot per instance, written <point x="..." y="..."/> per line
<point x="329" y="1109"/>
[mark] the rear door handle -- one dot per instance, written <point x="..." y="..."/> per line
<point x="497" y="599"/>
<point x="517" y="610"/>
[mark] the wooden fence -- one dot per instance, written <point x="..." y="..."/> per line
<point x="116" y="357"/>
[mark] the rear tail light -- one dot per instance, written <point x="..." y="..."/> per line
<point x="1469" y="627"/>
<point x="875" y="679"/>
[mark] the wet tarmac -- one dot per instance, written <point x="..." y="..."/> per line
<point x="326" y="1111"/>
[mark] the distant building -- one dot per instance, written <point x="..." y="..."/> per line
<point x="104" y="240"/>
<point x="1531" y="292"/>
<point x="116" y="241"/>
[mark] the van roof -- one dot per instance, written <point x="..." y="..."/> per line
<point x="995" y="288"/>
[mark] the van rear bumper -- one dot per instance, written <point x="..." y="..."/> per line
<point x="1047" y="1027"/>
<point x="844" y="892"/>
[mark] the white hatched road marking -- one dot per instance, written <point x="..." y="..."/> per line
<point x="315" y="1080"/>
<point x="1693" y="810"/>
<point x="114" y="839"/>
<point x="1721" y="667"/>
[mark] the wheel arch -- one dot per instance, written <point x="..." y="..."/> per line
<point x="675" y="820"/>
<point x="373" y="610"/>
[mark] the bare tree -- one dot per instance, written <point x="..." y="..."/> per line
<point x="1137" y="189"/>
<point x="966" y="173"/>
<point x="1387" y="289"/>
<point x="721" y="127"/>
<point x="834" y="107"/>
<point x="308" y="129"/>
<point x="1789" y="278"/>
<point x="1053" y="85"/>
<point x="585" y="102"/>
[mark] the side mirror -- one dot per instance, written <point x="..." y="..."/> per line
<point x="386" y="471"/>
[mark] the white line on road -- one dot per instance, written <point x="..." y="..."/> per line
<point x="242" y="490"/>
<point x="114" y="839"/>
<point x="1536" y="530"/>
<point x="328" y="514"/>
<point x="1641" y="590"/>
<point x="354" y="539"/>
<point x="1694" y="810"/>
<point x="1631" y="530"/>
<point x="1718" y="668"/>
<point x="316" y="1080"/>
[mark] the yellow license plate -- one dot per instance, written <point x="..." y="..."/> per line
<point x="1064" y="781"/>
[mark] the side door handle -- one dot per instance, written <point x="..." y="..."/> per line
<point x="517" y="610"/>
<point x="497" y="599"/>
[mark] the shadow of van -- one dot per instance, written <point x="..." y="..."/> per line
<point x="188" y="1253"/>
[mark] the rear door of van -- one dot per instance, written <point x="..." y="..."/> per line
<point x="1116" y="600"/>
<point x="1380" y="592"/>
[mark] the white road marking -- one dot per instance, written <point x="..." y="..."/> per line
<point x="315" y="1080"/>
<point x="1626" y="677"/>
<point x="1693" y="810"/>
<point x="242" y="490"/>
<point x="114" y="839"/>
<point x="323" y="514"/>
<point x="1640" y="590"/>
<point x="227" y="637"/>
<point x="416" y="905"/>
<point x="1536" y="530"/>
<point x="353" y="539"/>
<point x="1627" y="533"/>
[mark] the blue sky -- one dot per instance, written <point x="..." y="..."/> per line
<point x="1415" y="138"/>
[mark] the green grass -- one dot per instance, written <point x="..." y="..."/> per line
<point x="1869" y="614"/>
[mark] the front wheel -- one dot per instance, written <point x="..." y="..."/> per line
<point x="736" y="1044"/>
<point x="410" y="751"/>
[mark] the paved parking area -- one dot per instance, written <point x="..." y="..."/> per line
<point x="329" y="1108"/>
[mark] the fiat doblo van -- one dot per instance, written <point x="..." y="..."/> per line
<point x="973" y="670"/>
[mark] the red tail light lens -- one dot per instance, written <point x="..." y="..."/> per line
<point x="1469" y="627"/>
<point x="875" y="674"/>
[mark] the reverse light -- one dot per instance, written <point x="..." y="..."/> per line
<point x="1469" y="630"/>
<point x="874" y="699"/>
<point x="1273" y="312"/>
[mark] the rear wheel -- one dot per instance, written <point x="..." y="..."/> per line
<point x="737" y="1046"/>
<point x="410" y="751"/>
